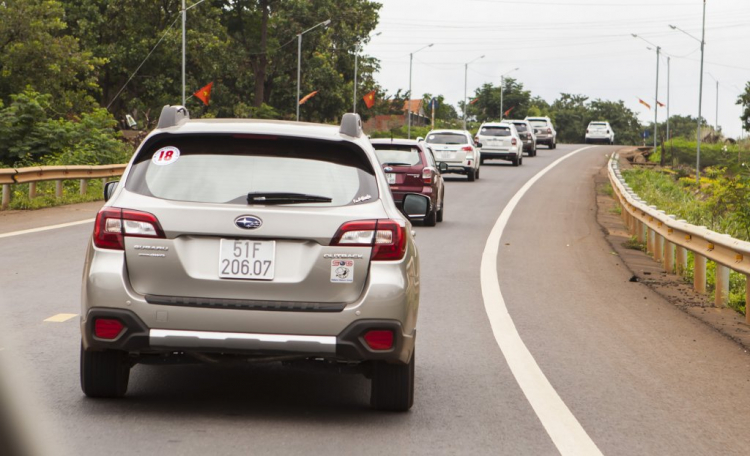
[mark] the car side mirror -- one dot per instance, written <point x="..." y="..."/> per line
<point x="415" y="206"/>
<point x="109" y="189"/>
<point x="442" y="167"/>
<point x="420" y="139"/>
<point x="479" y="145"/>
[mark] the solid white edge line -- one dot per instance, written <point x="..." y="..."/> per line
<point x="45" y="228"/>
<point x="563" y="428"/>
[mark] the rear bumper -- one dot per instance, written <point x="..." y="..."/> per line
<point x="499" y="154"/>
<point x="456" y="168"/>
<point x="348" y="345"/>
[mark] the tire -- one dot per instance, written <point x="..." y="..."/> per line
<point x="514" y="161"/>
<point x="431" y="219"/>
<point x="520" y="160"/>
<point x="471" y="175"/>
<point x="554" y="145"/>
<point x="481" y="161"/>
<point x="392" y="386"/>
<point x="440" y="212"/>
<point x="476" y="174"/>
<point x="105" y="373"/>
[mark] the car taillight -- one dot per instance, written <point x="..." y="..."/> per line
<point x="113" y="224"/>
<point x="467" y="149"/>
<point x="386" y="237"/>
<point x="513" y="141"/>
<point x="549" y="130"/>
<point x="587" y="131"/>
<point x="107" y="328"/>
<point x="427" y="175"/>
<point x="607" y="131"/>
<point x="379" y="339"/>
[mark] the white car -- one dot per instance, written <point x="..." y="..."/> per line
<point x="600" y="132"/>
<point x="500" y="140"/>
<point x="455" y="152"/>
<point x="544" y="130"/>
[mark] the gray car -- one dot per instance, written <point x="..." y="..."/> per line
<point x="261" y="241"/>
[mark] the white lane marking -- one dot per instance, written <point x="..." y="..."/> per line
<point x="563" y="428"/>
<point x="59" y="318"/>
<point x="46" y="228"/>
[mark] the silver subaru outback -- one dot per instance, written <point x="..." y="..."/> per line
<point x="261" y="240"/>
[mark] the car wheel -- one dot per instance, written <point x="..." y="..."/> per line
<point x="392" y="386"/>
<point x="431" y="219"/>
<point x="477" y="174"/>
<point x="514" y="160"/>
<point x="471" y="174"/>
<point x="481" y="161"/>
<point x="440" y="212"/>
<point x="104" y="373"/>
<point x="520" y="160"/>
<point x="554" y="145"/>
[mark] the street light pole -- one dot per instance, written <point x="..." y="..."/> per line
<point x="502" y="89"/>
<point x="656" y="98"/>
<point x="700" y="92"/>
<point x="184" y="20"/>
<point x="358" y="49"/>
<point x="408" y="102"/>
<point x="717" y="102"/>
<point x="466" y="82"/>
<point x="299" y="57"/>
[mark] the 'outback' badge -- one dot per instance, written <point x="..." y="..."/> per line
<point x="248" y="222"/>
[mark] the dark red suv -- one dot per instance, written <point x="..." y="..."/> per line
<point x="410" y="167"/>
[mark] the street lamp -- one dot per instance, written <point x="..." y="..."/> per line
<point x="700" y="91"/>
<point x="656" y="98"/>
<point x="357" y="50"/>
<point x="408" y="103"/>
<point x="502" y="84"/>
<point x="717" y="101"/>
<point x="299" y="56"/>
<point x="466" y="81"/>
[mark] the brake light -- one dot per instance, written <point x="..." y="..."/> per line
<point x="549" y="130"/>
<point x="386" y="237"/>
<point x="513" y="141"/>
<point x="427" y="175"/>
<point x="607" y="131"/>
<point x="467" y="149"/>
<point x="587" y="130"/>
<point x="379" y="339"/>
<point x="107" y="328"/>
<point x="113" y="224"/>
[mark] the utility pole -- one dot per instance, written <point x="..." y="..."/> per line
<point x="299" y="56"/>
<point x="408" y="102"/>
<point x="184" y="20"/>
<point x="466" y="79"/>
<point x="656" y="105"/>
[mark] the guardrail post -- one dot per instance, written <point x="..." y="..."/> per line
<point x="681" y="263"/>
<point x="640" y="229"/>
<point x="721" y="297"/>
<point x="650" y="241"/>
<point x="6" y="196"/>
<point x="104" y="181"/>
<point x="84" y="186"/>
<point x="699" y="273"/>
<point x="59" y="188"/>
<point x="747" y="299"/>
<point x="669" y="257"/>
<point x="658" y="246"/>
<point x="32" y="190"/>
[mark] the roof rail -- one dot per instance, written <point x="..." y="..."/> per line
<point x="351" y="125"/>
<point x="171" y="116"/>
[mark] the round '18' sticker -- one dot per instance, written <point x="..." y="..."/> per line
<point x="165" y="156"/>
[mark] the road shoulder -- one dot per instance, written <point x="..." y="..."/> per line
<point x="11" y="221"/>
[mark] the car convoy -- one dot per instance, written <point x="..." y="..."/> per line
<point x="235" y="240"/>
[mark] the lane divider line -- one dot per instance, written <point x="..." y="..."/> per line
<point x="59" y="318"/>
<point x="562" y="426"/>
<point x="46" y="228"/>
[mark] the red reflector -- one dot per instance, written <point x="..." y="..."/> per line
<point x="379" y="339"/>
<point x="467" y="149"/>
<point x="107" y="328"/>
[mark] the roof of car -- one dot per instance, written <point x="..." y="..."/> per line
<point x="517" y="121"/>
<point x="495" y="124"/>
<point x="399" y="141"/>
<point x="256" y="126"/>
<point x="462" y="132"/>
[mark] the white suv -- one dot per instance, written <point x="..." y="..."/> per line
<point x="545" y="131"/>
<point x="455" y="152"/>
<point x="500" y="140"/>
<point x="600" y="132"/>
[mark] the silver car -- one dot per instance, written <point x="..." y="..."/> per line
<point x="257" y="241"/>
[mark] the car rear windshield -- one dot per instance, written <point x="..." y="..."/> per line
<point x="392" y="154"/>
<point x="521" y="127"/>
<point x="494" y="131"/>
<point x="447" y="138"/>
<point x="597" y="125"/>
<point x="226" y="168"/>
<point x="538" y="123"/>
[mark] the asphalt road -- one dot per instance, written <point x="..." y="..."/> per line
<point x="638" y="375"/>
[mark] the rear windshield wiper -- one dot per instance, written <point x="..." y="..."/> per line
<point x="284" y="198"/>
<point x="396" y="164"/>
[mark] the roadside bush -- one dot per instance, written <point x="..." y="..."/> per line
<point x="681" y="152"/>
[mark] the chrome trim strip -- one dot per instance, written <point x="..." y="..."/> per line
<point x="171" y="338"/>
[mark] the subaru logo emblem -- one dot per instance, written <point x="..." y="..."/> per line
<point x="248" y="222"/>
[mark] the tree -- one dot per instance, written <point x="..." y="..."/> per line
<point x="571" y="116"/>
<point x="683" y="126"/>
<point x="744" y="101"/>
<point x="486" y="106"/>
<point x="622" y="120"/>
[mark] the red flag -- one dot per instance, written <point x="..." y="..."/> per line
<point x="660" y="103"/>
<point x="369" y="99"/>
<point x="508" y="111"/>
<point x="307" y="97"/>
<point x="204" y="93"/>
<point x="474" y="100"/>
<point x="644" y="103"/>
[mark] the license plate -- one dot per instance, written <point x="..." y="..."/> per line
<point x="246" y="259"/>
<point x="391" y="178"/>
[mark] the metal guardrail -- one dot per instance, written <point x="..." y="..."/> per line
<point x="32" y="175"/>
<point x="669" y="240"/>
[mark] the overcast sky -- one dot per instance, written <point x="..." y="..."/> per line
<point x="574" y="46"/>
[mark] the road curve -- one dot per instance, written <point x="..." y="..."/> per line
<point x="640" y="376"/>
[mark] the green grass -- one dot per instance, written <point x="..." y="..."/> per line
<point x="45" y="195"/>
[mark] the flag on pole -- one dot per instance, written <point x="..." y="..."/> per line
<point x="307" y="97"/>
<point x="369" y="99"/>
<point x="644" y="103"/>
<point x="204" y="93"/>
<point x="505" y="114"/>
<point x="474" y="100"/>
<point x="661" y="105"/>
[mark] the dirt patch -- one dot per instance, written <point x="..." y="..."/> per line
<point x="645" y="270"/>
